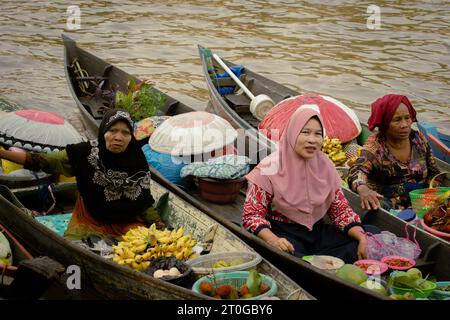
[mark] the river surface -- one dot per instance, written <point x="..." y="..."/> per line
<point x="334" y="48"/>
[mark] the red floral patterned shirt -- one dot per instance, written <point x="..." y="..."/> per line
<point x="257" y="208"/>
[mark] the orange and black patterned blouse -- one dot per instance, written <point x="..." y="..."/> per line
<point x="381" y="171"/>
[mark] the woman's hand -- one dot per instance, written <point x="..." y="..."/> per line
<point x="283" y="244"/>
<point x="369" y="199"/>
<point x="362" y="249"/>
<point x="357" y="233"/>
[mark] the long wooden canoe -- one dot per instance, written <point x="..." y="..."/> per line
<point x="90" y="106"/>
<point x="439" y="141"/>
<point x="111" y="280"/>
<point x="108" y="279"/>
<point x="235" y="106"/>
<point x="28" y="277"/>
<point x="319" y="283"/>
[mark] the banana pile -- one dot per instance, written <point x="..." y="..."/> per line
<point x="141" y="245"/>
<point x="333" y="149"/>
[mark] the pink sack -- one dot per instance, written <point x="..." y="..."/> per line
<point x="388" y="244"/>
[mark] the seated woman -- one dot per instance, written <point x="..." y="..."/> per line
<point x="290" y="192"/>
<point x="393" y="161"/>
<point x="113" y="179"/>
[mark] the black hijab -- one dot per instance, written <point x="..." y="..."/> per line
<point x="114" y="187"/>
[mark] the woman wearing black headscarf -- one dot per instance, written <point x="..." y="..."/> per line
<point x="112" y="175"/>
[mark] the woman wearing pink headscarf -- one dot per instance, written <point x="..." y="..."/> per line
<point x="395" y="160"/>
<point x="290" y="192"/>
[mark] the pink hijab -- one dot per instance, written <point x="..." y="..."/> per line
<point x="302" y="189"/>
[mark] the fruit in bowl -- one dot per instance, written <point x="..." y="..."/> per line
<point x="398" y="262"/>
<point x="371" y="267"/>
<point x="411" y="281"/>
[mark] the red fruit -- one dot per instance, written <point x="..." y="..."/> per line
<point x="243" y="290"/>
<point x="263" y="288"/>
<point x="224" y="290"/>
<point x="206" y="288"/>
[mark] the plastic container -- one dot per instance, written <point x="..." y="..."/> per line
<point x="411" y="262"/>
<point x="440" y="234"/>
<point x="423" y="200"/>
<point x="375" y="267"/>
<point x="202" y="265"/>
<point x="424" y="293"/>
<point x="407" y="215"/>
<point x="441" y="294"/>
<point x="237" y="279"/>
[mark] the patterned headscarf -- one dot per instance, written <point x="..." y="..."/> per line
<point x="114" y="187"/>
<point x="383" y="110"/>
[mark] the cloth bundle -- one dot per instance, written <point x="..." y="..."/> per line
<point x="225" y="167"/>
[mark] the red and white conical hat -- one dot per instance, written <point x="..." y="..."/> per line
<point x="339" y="120"/>
<point x="37" y="130"/>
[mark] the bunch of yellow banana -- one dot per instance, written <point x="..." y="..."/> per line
<point x="139" y="246"/>
<point x="333" y="149"/>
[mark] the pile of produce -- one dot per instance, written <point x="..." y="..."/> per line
<point x="411" y="280"/>
<point x="352" y="273"/>
<point x="172" y="272"/>
<point x="253" y="287"/>
<point x="333" y="149"/>
<point x="439" y="217"/>
<point x="5" y="251"/>
<point x="394" y="263"/>
<point x="224" y="264"/>
<point x="356" y="275"/>
<point x="141" y="245"/>
<point x="445" y="288"/>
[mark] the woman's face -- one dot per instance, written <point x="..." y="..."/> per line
<point x="309" y="140"/>
<point x="117" y="137"/>
<point x="400" y="126"/>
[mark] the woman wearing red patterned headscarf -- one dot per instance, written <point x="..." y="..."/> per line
<point x="395" y="160"/>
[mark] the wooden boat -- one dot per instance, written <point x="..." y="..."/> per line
<point x="319" y="283"/>
<point x="439" y="141"/>
<point x="28" y="277"/>
<point x="90" y="107"/>
<point x="108" y="279"/>
<point x="235" y="107"/>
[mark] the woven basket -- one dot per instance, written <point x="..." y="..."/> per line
<point x="237" y="279"/>
<point x="423" y="200"/>
<point x="203" y="265"/>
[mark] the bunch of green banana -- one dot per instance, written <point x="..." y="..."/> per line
<point x="5" y="251"/>
<point x="224" y="264"/>
<point x="333" y="149"/>
<point x="139" y="246"/>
